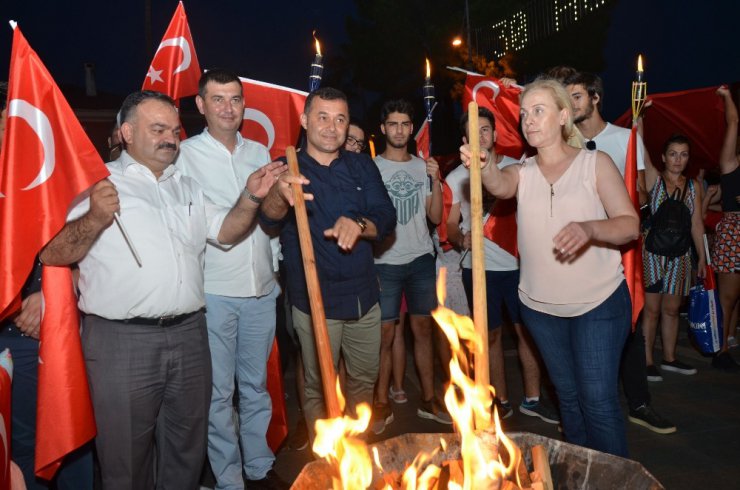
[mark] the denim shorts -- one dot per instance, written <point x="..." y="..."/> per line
<point x="502" y="288"/>
<point x="416" y="280"/>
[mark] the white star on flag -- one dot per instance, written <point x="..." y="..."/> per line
<point x="154" y="75"/>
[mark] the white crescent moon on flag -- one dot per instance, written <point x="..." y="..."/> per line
<point x="40" y="124"/>
<point x="261" y="118"/>
<point x="486" y="84"/>
<point x="182" y="43"/>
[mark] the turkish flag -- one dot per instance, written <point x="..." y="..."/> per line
<point x="272" y="115"/>
<point x="424" y="140"/>
<point x="503" y="102"/>
<point x="6" y="376"/>
<point x="277" y="431"/>
<point x="64" y="412"/>
<point x="698" y="114"/>
<point x="175" y="70"/>
<point x="500" y="227"/>
<point x="632" y="252"/>
<point x="444" y="240"/>
<point x="46" y="161"/>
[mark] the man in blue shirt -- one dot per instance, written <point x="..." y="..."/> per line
<point x="348" y="208"/>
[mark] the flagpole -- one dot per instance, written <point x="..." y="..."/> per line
<point x="126" y="237"/>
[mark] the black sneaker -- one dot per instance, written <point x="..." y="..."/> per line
<point x="432" y="410"/>
<point x="679" y="367"/>
<point x="725" y="362"/>
<point x="646" y="417"/>
<point x="540" y="409"/>
<point x="653" y="374"/>
<point x="298" y="439"/>
<point x="382" y="416"/>
<point x="504" y="409"/>
<point x="271" y="481"/>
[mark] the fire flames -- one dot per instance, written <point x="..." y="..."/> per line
<point x="469" y="405"/>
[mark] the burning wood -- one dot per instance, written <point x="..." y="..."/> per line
<point x="480" y="459"/>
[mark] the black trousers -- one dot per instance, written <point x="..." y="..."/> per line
<point x="633" y="369"/>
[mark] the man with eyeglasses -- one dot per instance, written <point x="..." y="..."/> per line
<point x="405" y="261"/>
<point x="587" y="93"/>
<point x="355" y="138"/>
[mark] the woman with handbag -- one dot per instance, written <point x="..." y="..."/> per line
<point x="676" y="224"/>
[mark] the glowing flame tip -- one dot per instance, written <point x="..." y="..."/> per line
<point x="429" y="69"/>
<point x="318" y="45"/>
<point x="639" y="63"/>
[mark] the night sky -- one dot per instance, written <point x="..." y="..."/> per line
<point x="686" y="43"/>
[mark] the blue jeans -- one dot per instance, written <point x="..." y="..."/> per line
<point x="416" y="280"/>
<point x="582" y="355"/>
<point x="240" y="335"/>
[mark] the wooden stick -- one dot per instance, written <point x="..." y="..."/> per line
<point x="542" y="466"/>
<point x="323" y="347"/>
<point x="480" y="314"/>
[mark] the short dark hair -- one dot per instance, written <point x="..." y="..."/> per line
<point x="482" y="112"/>
<point x="559" y="73"/>
<point x="217" y="75"/>
<point x="357" y="123"/>
<point x="324" y="93"/>
<point x="676" y="138"/>
<point x="3" y="95"/>
<point x="590" y="81"/>
<point x="402" y="106"/>
<point x="134" y="99"/>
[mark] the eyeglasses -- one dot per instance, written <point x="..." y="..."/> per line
<point x="590" y="145"/>
<point x="352" y="141"/>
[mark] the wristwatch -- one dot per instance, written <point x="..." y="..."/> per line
<point x="361" y="223"/>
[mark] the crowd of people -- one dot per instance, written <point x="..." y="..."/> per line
<point x="176" y="353"/>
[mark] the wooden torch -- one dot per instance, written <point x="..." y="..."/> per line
<point x="321" y="335"/>
<point x="480" y="314"/>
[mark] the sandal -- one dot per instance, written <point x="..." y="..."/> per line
<point x="397" y="396"/>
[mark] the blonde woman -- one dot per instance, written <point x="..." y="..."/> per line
<point x="573" y="212"/>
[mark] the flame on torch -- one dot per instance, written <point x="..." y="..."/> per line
<point x="429" y="69"/>
<point x="318" y="45"/>
<point x="639" y="63"/>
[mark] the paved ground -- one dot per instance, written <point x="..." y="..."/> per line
<point x="704" y="453"/>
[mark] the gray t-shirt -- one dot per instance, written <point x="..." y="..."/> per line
<point x="408" y="187"/>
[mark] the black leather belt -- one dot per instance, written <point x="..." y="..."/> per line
<point x="162" y="321"/>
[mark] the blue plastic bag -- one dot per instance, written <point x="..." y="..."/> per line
<point x="705" y="318"/>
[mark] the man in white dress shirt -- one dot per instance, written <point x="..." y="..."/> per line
<point x="144" y="333"/>
<point x="240" y="286"/>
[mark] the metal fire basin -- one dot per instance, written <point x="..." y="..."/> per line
<point x="572" y="467"/>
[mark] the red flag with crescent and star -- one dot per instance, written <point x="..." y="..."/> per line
<point x="46" y="161"/>
<point x="632" y="252"/>
<point x="504" y="103"/>
<point x="175" y="70"/>
<point x="272" y="115"/>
